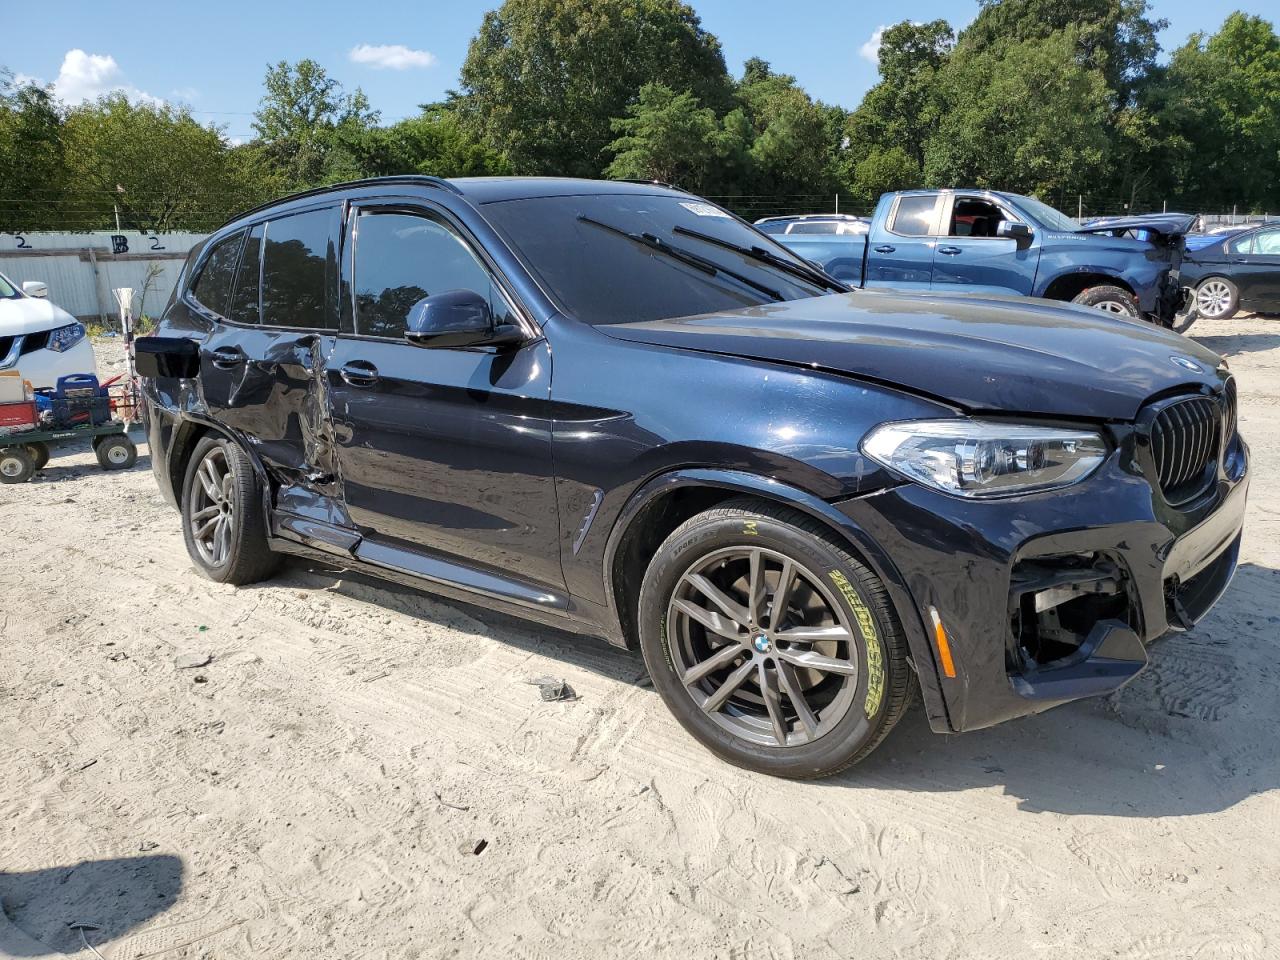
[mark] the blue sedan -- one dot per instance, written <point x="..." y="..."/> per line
<point x="1239" y="271"/>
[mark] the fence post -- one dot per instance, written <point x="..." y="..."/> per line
<point x="837" y="203"/>
<point x="1079" y="206"/>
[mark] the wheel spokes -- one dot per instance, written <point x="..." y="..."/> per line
<point x="717" y="624"/>
<point x="812" y="660"/>
<point x="813" y="634"/>
<point x="791" y="686"/>
<point x="773" y="702"/>
<point x="730" y="607"/>
<point x="722" y="658"/>
<point x="726" y="689"/>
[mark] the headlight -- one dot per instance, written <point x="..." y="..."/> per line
<point x="985" y="458"/>
<point x="64" y="338"/>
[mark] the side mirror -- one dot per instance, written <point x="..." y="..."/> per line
<point x="456" y="318"/>
<point x="1019" y="233"/>
<point x="34" y="288"/>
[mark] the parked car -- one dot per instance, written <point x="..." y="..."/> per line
<point x="815" y="224"/>
<point x="1233" y="272"/>
<point x="42" y="341"/>
<point x="620" y="410"/>
<point x="981" y="241"/>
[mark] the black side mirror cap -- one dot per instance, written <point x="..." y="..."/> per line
<point x="457" y="318"/>
<point x="1020" y="233"/>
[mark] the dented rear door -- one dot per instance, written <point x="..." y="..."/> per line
<point x="262" y="371"/>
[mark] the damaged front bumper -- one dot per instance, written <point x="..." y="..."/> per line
<point x="1052" y="598"/>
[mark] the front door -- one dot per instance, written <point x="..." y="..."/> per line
<point x="442" y="451"/>
<point x="971" y="258"/>
<point x="261" y="367"/>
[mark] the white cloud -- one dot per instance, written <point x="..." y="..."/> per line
<point x="87" y="76"/>
<point x="391" y="56"/>
<point x="871" y="49"/>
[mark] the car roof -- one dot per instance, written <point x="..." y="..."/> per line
<point x="477" y="190"/>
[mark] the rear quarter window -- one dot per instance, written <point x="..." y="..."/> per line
<point x="212" y="286"/>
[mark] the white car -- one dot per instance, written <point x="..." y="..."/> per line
<point x="42" y="341"/>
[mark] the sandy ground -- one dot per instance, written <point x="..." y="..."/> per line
<point x="364" y="772"/>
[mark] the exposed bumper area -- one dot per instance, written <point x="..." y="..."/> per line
<point x="1053" y="598"/>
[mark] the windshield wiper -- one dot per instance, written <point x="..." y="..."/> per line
<point x="811" y="274"/>
<point x="688" y="257"/>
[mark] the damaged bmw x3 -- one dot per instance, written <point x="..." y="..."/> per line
<point x="617" y="409"/>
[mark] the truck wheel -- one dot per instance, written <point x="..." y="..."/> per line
<point x="39" y="454"/>
<point x="770" y="643"/>
<point x="222" y="515"/>
<point x="16" y="465"/>
<point x="116" y="452"/>
<point x="1217" y="298"/>
<point x="1111" y="300"/>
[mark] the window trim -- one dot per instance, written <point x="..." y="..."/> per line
<point x="417" y="207"/>
<point x="934" y="227"/>
<point x="262" y="218"/>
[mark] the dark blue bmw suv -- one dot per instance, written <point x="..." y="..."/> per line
<point x="618" y="409"/>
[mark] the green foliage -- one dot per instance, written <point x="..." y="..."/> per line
<point x="436" y="143"/>
<point x="32" y="169"/>
<point x="544" y="79"/>
<point x="667" y="136"/>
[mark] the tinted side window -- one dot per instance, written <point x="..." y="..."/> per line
<point x="914" y="216"/>
<point x="1242" y="245"/>
<point x="400" y="258"/>
<point x="213" y="286"/>
<point x="244" y="302"/>
<point x="1267" y="243"/>
<point x="297" y="271"/>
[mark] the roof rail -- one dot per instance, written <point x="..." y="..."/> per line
<point x="650" y="182"/>
<point x="419" y="179"/>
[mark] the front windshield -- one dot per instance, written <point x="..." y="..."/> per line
<point x="600" y="276"/>
<point x="7" y="290"/>
<point x="1047" y="215"/>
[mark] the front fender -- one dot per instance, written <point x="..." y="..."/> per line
<point x="841" y="526"/>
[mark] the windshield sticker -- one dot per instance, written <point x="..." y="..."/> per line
<point x="703" y="209"/>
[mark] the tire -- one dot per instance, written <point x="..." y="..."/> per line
<point x="758" y="724"/>
<point x="233" y="550"/>
<point x="39" y="454"/>
<point x="16" y="465"/>
<point x="115" y="452"/>
<point x="1110" y="299"/>
<point x="1216" y="298"/>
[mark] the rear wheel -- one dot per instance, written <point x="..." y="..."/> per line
<point x="116" y="452"/>
<point x="16" y="465"/>
<point x="1217" y="298"/>
<point x="770" y="643"/>
<point x="1110" y="299"/>
<point x="222" y="515"/>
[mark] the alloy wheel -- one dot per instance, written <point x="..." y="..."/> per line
<point x="762" y="646"/>
<point x="1213" y="297"/>
<point x="213" y="512"/>
<point x="1113" y="306"/>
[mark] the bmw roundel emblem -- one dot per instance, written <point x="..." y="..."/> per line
<point x="761" y="643"/>
<point x="1186" y="363"/>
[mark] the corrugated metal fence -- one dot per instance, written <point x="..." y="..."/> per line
<point x="81" y="269"/>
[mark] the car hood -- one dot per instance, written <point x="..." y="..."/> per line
<point x="30" y="315"/>
<point x="982" y="353"/>
<point x="1164" y="224"/>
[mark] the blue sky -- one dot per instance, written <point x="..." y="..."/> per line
<point x="211" y="56"/>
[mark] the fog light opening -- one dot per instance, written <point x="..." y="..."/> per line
<point x="1054" y="603"/>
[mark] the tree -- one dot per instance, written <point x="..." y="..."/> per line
<point x="160" y="167"/>
<point x="435" y="143"/>
<point x="305" y="122"/>
<point x="544" y="79"/>
<point x="32" y="165"/>
<point x="794" y="145"/>
<point x="668" y="136"/>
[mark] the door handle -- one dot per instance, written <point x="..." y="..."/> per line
<point x="227" y="358"/>
<point x="886" y="248"/>
<point x="358" y="373"/>
<point x="949" y="251"/>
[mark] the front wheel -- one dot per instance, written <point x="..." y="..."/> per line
<point x="222" y="515"/>
<point x="770" y="643"/>
<point x="16" y="465"/>
<point x="1110" y="299"/>
<point x="1217" y="299"/>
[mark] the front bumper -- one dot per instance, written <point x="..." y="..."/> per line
<point x="982" y="564"/>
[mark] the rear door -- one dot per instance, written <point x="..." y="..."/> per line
<point x="900" y="247"/>
<point x="445" y="452"/>
<point x="1256" y="270"/>
<point x="261" y="366"/>
<point x="970" y="257"/>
